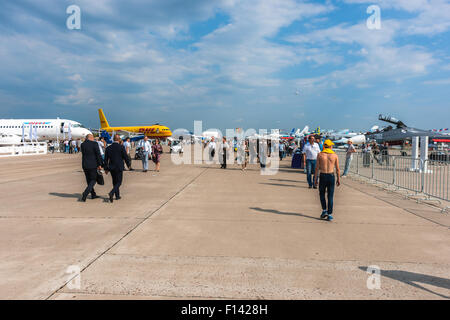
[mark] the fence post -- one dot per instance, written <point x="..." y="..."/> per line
<point x="371" y="164"/>
<point x="394" y="171"/>
<point x="422" y="176"/>
<point x="357" y="163"/>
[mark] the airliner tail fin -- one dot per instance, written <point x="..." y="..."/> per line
<point x="103" y="122"/>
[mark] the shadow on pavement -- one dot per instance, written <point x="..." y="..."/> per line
<point x="284" y="213"/>
<point x="66" y="195"/>
<point x="298" y="171"/>
<point x="283" y="185"/>
<point x="286" y="180"/>
<point x="412" y="278"/>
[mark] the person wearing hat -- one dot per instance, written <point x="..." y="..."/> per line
<point x="327" y="162"/>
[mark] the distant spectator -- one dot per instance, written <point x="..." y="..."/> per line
<point x="157" y="150"/>
<point x="348" y="157"/>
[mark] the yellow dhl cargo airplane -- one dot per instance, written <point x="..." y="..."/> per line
<point x="154" y="131"/>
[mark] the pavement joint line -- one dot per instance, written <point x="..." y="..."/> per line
<point x="395" y="205"/>
<point x="279" y="259"/>
<point x="57" y="218"/>
<point x="140" y="295"/>
<point x="148" y="215"/>
<point x="298" y="222"/>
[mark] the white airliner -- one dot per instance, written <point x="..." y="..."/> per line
<point x="43" y="129"/>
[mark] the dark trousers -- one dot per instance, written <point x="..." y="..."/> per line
<point x="91" y="180"/>
<point x="326" y="184"/>
<point x="129" y="158"/>
<point x="224" y="159"/>
<point x="117" y="177"/>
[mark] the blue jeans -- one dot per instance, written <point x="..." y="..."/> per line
<point x="348" y="160"/>
<point x="311" y="170"/>
<point x="145" y="160"/>
<point x="326" y="184"/>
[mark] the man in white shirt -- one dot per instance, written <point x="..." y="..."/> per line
<point x="224" y="146"/>
<point x="127" y="146"/>
<point x="212" y="148"/>
<point x="101" y="146"/>
<point x="310" y="152"/>
<point x="348" y="157"/>
<point x="146" y="152"/>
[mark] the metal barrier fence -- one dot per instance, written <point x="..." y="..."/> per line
<point x="430" y="177"/>
<point x="23" y="149"/>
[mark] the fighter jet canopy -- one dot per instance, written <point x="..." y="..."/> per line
<point x="392" y="120"/>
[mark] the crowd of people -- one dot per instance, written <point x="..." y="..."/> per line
<point x="70" y="146"/>
<point x="320" y="162"/>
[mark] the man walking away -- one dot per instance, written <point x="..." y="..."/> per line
<point x="282" y="147"/>
<point x="224" y="148"/>
<point x="91" y="162"/>
<point x="146" y="151"/>
<point x="127" y="145"/>
<point x="115" y="155"/>
<point x="310" y="151"/>
<point x="212" y="148"/>
<point x="327" y="162"/>
<point x="348" y="157"/>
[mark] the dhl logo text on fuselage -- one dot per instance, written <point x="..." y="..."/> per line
<point x="153" y="131"/>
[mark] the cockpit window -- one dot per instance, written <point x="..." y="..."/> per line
<point x="77" y="125"/>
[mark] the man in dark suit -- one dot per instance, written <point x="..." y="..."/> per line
<point x="91" y="162"/>
<point x="115" y="155"/>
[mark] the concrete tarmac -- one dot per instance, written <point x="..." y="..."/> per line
<point x="199" y="232"/>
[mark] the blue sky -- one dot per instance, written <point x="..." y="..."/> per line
<point x="229" y="63"/>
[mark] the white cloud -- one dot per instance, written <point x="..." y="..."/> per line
<point x="437" y="82"/>
<point x="76" y="77"/>
<point x="78" y="96"/>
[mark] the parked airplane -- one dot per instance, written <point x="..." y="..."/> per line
<point x="153" y="131"/>
<point x="357" y="139"/>
<point x="402" y="132"/>
<point x="302" y="133"/>
<point x="43" y="129"/>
